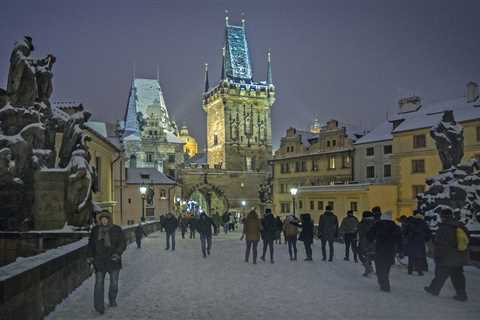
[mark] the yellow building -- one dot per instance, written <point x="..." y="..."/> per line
<point x="306" y="158"/>
<point x="190" y="145"/>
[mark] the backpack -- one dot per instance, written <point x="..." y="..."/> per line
<point x="462" y="239"/>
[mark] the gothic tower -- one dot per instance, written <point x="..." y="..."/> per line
<point x="239" y="132"/>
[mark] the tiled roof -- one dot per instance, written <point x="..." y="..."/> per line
<point x="147" y="175"/>
<point x="237" y="58"/>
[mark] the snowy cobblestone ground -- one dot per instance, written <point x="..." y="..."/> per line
<point x="156" y="284"/>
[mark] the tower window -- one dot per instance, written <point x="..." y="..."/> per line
<point x="215" y="139"/>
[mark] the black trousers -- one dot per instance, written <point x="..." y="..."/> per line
<point x="350" y="241"/>
<point x="308" y="249"/>
<point x="267" y="243"/>
<point x="139" y="242"/>
<point x="382" y="268"/>
<point x="442" y="273"/>
<point x="324" y="249"/>
<point x="292" y="247"/>
<point x="251" y="244"/>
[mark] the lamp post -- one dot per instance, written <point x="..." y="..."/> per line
<point x="143" y="191"/>
<point x="293" y="192"/>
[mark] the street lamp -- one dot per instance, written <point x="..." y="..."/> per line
<point x="143" y="191"/>
<point x="293" y="192"/>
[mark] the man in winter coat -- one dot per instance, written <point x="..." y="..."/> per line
<point x="192" y="222"/>
<point x="269" y="226"/>
<point x="416" y="233"/>
<point x="204" y="228"/>
<point x="306" y="235"/>
<point x="105" y="247"/>
<point x="226" y="221"/>
<point x="170" y="228"/>
<point x="328" y="231"/>
<point x="139" y="233"/>
<point x="251" y="229"/>
<point x="449" y="260"/>
<point x="290" y="229"/>
<point x="366" y="248"/>
<point x="183" y="222"/>
<point x="349" y="229"/>
<point x="388" y="239"/>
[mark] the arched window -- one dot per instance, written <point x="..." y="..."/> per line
<point x="133" y="161"/>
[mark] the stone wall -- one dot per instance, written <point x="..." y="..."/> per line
<point x="30" y="288"/>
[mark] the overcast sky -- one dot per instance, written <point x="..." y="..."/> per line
<point x="349" y="60"/>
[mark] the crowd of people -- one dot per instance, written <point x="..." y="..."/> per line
<point x="375" y="241"/>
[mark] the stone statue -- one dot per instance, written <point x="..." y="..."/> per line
<point x="448" y="137"/>
<point x="44" y="77"/>
<point x="265" y="191"/>
<point x="22" y="86"/>
<point x="150" y="195"/>
<point x="73" y="137"/>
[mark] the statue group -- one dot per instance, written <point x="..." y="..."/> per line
<point x="28" y="132"/>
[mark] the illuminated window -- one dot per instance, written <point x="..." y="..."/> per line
<point x="331" y="162"/>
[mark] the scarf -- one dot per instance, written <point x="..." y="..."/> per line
<point x="104" y="234"/>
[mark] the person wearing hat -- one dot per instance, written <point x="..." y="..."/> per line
<point x="450" y="256"/>
<point x="366" y="248"/>
<point x="105" y="247"/>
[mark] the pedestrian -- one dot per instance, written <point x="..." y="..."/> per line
<point x="170" y="228"/>
<point x="349" y="230"/>
<point x="217" y="220"/>
<point x="366" y="247"/>
<point x="204" y="228"/>
<point x="387" y="237"/>
<point x="139" y="233"/>
<point x="328" y="232"/>
<point x="416" y="234"/>
<point x="290" y="229"/>
<point x="191" y="226"/>
<point x="183" y="225"/>
<point x="306" y="235"/>
<point x="226" y="220"/>
<point x="251" y="229"/>
<point x="162" y="222"/>
<point x="450" y="255"/>
<point x="269" y="230"/>
<point x="278" y="235"/>
<point x="105" y="247"/>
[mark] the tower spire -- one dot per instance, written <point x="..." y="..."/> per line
<point x="223" y="76"/>
<point x="269" y="69"/>
<point x="226" y="18"/>
<point x="207" y="86"/>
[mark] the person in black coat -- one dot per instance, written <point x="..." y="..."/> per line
<point x="328" y="231"/>
<point x="416" y="233"/>
<point x="306" y="235"/>
<point x="139" y="233"/>
<point x="171" y="225"/>
<point x="105" y="247"/>
<point x="366" y="247"/>
<point x="204" y="228"/>
<point x="387" y="237"/>
<point x="269" y="230"/>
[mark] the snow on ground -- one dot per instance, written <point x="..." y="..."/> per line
<point x="156" y="284"/>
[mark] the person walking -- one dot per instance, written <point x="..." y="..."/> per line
<point x="328" y="232"/>
<point x="269" y="230"/>
<point x="450" y="255"/>
<point x="105" y="247"/>
<point x="170" y="228"/>
<point x="366" y="247"/>
<point x="251" y="229"/>
<point x="204" y="227"/>
<point x="387" y="237"/>
<point x="349" y="230"/>
<point x="217" y="220"/>
<point x="290" y="229"/>
<point x="191" y="226"/>
<point x="183" y="222"/>
<point x="226" y="221"/>
<point x="306" y="235"/>
<point x="416" y="233"/>
<point x="139" y="233"/>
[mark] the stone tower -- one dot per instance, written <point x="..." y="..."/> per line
<point x="239" y="132"/>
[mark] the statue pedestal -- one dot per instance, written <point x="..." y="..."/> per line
<point x="50" y="187"/>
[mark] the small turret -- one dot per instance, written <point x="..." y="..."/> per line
<point x="207" y="86"/>
<point x="269" y="69"/>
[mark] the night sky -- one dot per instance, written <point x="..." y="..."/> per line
<point x="350" y="60"/>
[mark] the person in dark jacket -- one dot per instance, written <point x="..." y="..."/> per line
<point x="192" y="221"/>
<point x="204" y="228"/>
<point x="226" y="221"/>
<point x="349" y="229"/>
<point x="306" y="235"/>
<point x="183" y="222"/>
<point x="170" y="228"/>
<point x="269" y="230"/>
<point x="388" y="238"/>
<point x="416" y="233"/>
<point x="139" y="233"/>
<point x="105" y="247"/>
<point x="366" y="247"/>
<point x="290" y="229"/>
<point x="251" y="229"/>
<point x="328" y="231"/>
<point x="162" y="222"/>
<point x="449" y="260"/>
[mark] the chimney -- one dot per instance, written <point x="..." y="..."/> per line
<point x="409" y="104"/>
<point x="472" y="91"/>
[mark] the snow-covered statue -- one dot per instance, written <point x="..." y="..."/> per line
<point x="73" y="137"/>
<point x="448" y="137"/>
<point x="150" y="195"/>
<point x="265" y="191"/>
<point x="457" y="186"/>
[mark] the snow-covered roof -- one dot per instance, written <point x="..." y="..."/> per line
<point x="99" y="127"/>
<point x="199" y="159"/>
<point x="172" y="138"/>
<point x="237" y="58"/>
<point x="147" y="175"/>
<point x="380" y="133"/>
